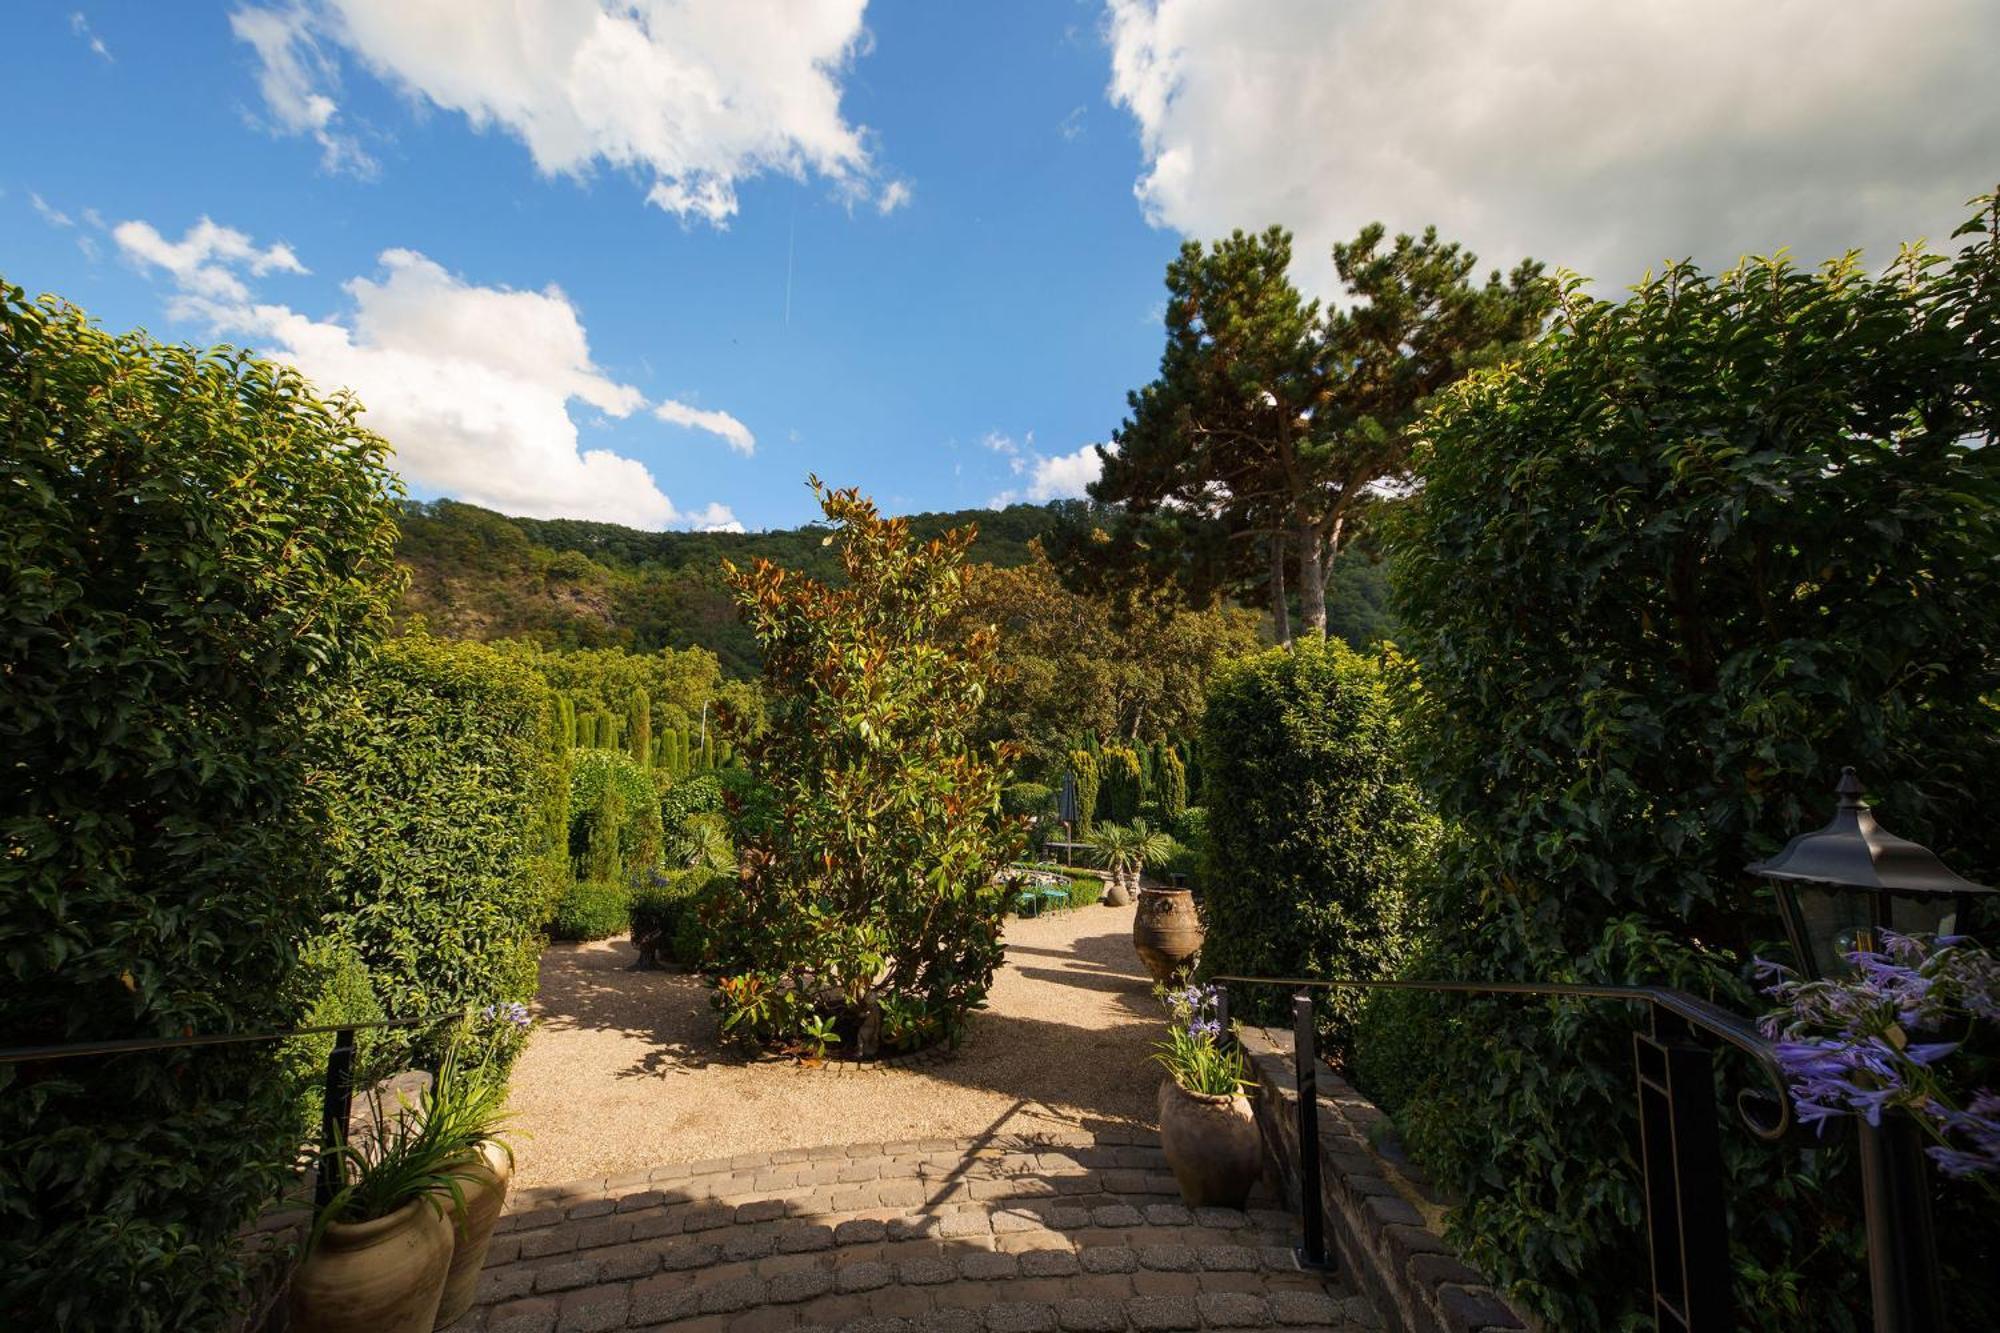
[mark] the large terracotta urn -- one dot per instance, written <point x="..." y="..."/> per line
<point x="484" y="1189"/>
<point x="1115" y="892"/>
<point x="382" y="1276"/>
<point x="1166" y="932"/>
<point x="1212" y="1145"/>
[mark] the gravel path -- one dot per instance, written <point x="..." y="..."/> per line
<point x="625" y="1071"/>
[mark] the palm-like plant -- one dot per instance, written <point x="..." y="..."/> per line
<point x="1127" y="849"/>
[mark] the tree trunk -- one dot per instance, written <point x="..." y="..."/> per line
<point x="1281" y="621"/>
<point x="1312" y="579"/>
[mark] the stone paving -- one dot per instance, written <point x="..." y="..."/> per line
<point x="1009" y="1233"/>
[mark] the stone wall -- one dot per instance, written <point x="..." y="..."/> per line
<point x="1381" y="1224"/>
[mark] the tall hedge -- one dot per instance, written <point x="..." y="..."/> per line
<point x="1083" y="768"/>
<point x="196" y="552"/>
<point x="1120" y="785"/>
<point x="1701" y="548"/>
<point x="616" y="837"/>
<point x="1314" y="826"/>
<point x="442" y="786"/>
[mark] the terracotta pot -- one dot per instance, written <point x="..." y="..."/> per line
<point x="1212" y="1145"/>
<point x="384" y="1276"/>
<point x="1166" y="932"/>
<point x="1115" y="892"/>
<point x="484" y="1194"/>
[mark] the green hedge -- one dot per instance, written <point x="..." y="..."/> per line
<point x="197" y="553"/>
<point x="1313" y="826"/>
<point x="615" y="831"/>
<point x="440" y="781"/>
<point x="1701" y="548"/>
<point x="1085" y="890"/>
<point x="664" y="912"/>
<point x="592" y="910"/>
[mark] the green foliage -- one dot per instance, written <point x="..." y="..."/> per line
<point x="874" y="873"/>
<point x="1701" y="548"/>
<point x="665" y="910"/>
<point x="1032" y="799"/>
<point x="615" y="828"/>
<point x="196" y="553"/>
<point x="333" y="986"/>
<point x="1083" y="768"/>
<point x="1085" y="890"/>
<point x="1314" y="827"/>
<point x="1119" y="788"/>
<point x="439" y="778"/>
<point x="1173" y="786"/>
<point x="1122" y="848"/>
<point x="1266" y="432"/>
<point x="639" y="727"/>
<point x="567" y="583"/>
<point x="592" y="909"/>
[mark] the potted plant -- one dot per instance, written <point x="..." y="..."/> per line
<point x="1166" y="930"/>
<point x="1207" y="1129"/>
<point x="468" y="1104"/>
<point x="380" y="1249"/>
<point x="1125" y="850"/>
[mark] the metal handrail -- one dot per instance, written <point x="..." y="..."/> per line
<point x="10" y="1055"/>
<point x="1680" y="1145"/>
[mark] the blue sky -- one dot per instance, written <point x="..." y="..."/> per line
<point x="653" y="262"/>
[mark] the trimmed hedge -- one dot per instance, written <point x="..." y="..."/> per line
<point x="664" y="914"/>
<point x="197" y="553"/>
<point x="614" y="829"/>
<point x="1313" y="827"/>
<point x="592" y="910"/>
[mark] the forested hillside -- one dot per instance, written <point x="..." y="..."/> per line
<point x="567" y="583"/>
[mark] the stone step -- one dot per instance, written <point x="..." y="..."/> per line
<point x="995" y="1234"/>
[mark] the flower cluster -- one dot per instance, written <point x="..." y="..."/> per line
<point x="1194" y="1053"/>
<point x="1198" y="1009"/>
<point x="513" y="1013"/>
<point x="1874" y="1041"/>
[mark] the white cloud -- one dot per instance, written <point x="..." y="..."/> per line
<point x="293" y="74"/>
<point x="472" y="385"/>
<point x="204" y="260"/>
<point x="80" y="26"/>
<point x="1600" y="137"/>
<point x="1055" y="477"/>
<point x="1009" y="449"/>
<point x="55" y="217"/>
<point x="695" y="96"/>
<point x="894" y="195"/>
<point x="714" y="518"/>
<point x="1070" y="127"/>
<point x="729" y="428"/>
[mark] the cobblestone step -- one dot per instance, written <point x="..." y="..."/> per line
<point x="1006" y="1234"/>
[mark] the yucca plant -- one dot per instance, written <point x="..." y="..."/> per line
<point x="1127" y="849"/>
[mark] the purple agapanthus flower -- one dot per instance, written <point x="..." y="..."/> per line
<point x="1879" y="1039"/>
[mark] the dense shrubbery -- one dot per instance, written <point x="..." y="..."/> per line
<point x="666" y="911"/>
<point x="592" y="909"/>
<point x="866" y="909"/>
<point x="615" y="830"/>
<point x="1313" y="826"/>
<point x="440" y="776"/>
<point x="1699" y="550"/>
<point x="196" y="554"/>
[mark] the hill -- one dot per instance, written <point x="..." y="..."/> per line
<point x="569" y="583"/>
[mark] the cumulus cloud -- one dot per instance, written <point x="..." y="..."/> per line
<point x="205" y="260"/>
<point x="1600" y="137"/>
<point x="894" y="195"/>
<point x="694" y="96"/>
<point x="472" y="385"/>
<point x="1054" y="477"/>
<point x="734" y="432"/>
<point x="294" y="76"/>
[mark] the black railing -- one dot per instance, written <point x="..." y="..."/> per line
<point x="337" y="1100"/>
<point x="1680" y="1138"/>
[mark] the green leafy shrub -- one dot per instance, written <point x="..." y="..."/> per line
<point x="1032" y="799"/>
<point x="1699" y="549"/>
<point x="615" y="827"/>
<point x="1085" y="890"/>
<point x="1314" y="826"/>
<point x="661" y="909"/>
<point x="867" y="890"/>
<point x="197" y="552"/>
<point x="691" y="816"/>
<point x="1083" y="768"/>
<point x="441" y="774"/>
<point x="1119" y="790"/>
<point x="1173" y="786"/>
<point x="592" y="910"/>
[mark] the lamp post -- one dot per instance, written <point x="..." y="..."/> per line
<point x="1838" y="889"/>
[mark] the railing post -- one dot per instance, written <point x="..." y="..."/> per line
<point x="1680" y="1145"/>
<point x="335" y="1105"/>
<point x="1312" y="1219"/>
<point x="1902" y="1243"/>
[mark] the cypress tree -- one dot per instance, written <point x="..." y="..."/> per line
<point x="639" y="727"/>
<point x="601" y="860"/>
<point x="1083" y="767"/>
<point x="1173" y="785"/>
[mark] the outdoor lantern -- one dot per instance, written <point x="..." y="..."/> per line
<point x="1840" y="886"/>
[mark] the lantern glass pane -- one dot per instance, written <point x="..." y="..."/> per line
<point x="1932" y="914"/>
<point x="1835" y="919"/>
